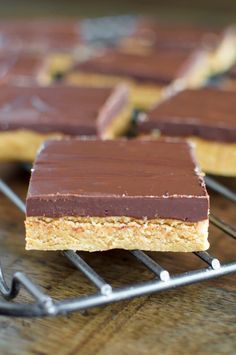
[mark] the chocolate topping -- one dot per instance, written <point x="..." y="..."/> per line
<point x="175" y="36"/>
<point x="19" y="68"/>
<point x="39" y="35"/>
<point x="158" y="67"/>
<point x="68" y="110"/>
<point x="141" y="179"/>
<point x="205" y="113"/>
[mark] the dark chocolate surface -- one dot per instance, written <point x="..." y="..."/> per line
<point x="19" y="68"/>
<point x="176" y="36"/>
<point x="39" y="34"/>
<point x="137" y="178"/>
<point x="68" y="110"/>
<point x="159" y="67"/>
<point x="206" y="113"/>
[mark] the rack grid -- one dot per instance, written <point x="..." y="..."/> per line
<point x="44" y="305"/>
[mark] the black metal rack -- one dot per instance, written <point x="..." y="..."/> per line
<point x="44" y="305"/>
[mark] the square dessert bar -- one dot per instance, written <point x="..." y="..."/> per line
<point x="148" y="75"/>
<point x="207" y="118"/>
<point x="132" y="194"/>
<point x="29" y="115"/>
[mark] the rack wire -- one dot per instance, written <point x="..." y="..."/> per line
<point x="45" y="305"/>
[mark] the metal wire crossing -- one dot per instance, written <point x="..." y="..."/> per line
<point x="45" y="305"/>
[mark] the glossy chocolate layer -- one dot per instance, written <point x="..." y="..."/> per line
<point x="205" y="113"/>
<point x="158" y="67"/>
<point x="68" y="110"/>
<point x="39" y="35"/>
<point x="141" y="179"/>
<point x="19" y="68"/>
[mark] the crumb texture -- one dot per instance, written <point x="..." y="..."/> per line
<point x="105" y="233"/>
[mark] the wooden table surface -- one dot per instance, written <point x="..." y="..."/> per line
<point x="197" y="319"/>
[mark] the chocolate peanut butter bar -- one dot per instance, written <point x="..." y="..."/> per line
<point x="151" y="35"/>
<point x="132" y="194"/>
<point x="29" y="115"/>
<point x="207" y="118"/>
<point x="148" y="75"/>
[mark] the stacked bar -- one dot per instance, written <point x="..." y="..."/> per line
<point x="98" y="195"/>
<point x="219" y="42"/>
<point x="205" y="117"/>
<point x="150" y="76"/>
<point x="29" y="115"/>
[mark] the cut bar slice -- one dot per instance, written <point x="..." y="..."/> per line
<point x="207" y="118"/>
<point x="132" y="194"/>
<point x="149" y="76"/>
<point x="29" y="115"/>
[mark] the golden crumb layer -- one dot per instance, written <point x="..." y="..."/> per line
<point x="105" y="233"/>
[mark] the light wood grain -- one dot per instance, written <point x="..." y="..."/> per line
<point x="198" y="319"/>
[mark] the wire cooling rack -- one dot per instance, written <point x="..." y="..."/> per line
<point x="44" y="305"/>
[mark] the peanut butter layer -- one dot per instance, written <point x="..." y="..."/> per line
<point x="22" y="145"/>
<point x="105" y="233"/>
<point x="214" y="157"/>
